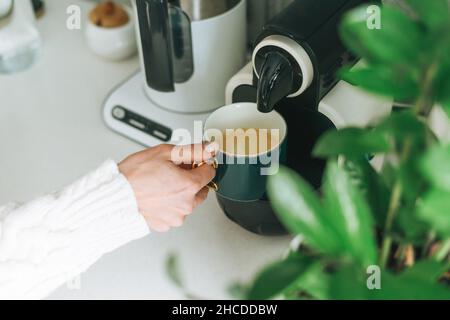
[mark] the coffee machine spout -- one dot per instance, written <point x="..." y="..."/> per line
<point x="276" y="81"/>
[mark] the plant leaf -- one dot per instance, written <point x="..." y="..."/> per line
<point x="351" y="142"/>
<point x="315" y="282"/>
<point x="408" y="227"/>
<point x="435" y="209"/>
<point x="279" y="277"/>
<point x="442" y="81"/>
<point x="435" y="166"/>
<point x="371" y="185"/>
<point x="409" y="286"/>
<point x="238" y="291"/>
<point x="300" y="210"/>
<point x="398" y="39"/>
<point x="433" y="14"/>
<point x="427" y="270"/>
<point x="348" y="283"/>
<point x="404" y="124"/>
<point x="446" y="106"/>
<point x="349" y="215"/>
<point x="390" y="81"/>
<point x="405" y="130"/>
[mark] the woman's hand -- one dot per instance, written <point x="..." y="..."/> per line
<point x="166" y="188"/>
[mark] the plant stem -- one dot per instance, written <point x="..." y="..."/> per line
<point x="394" y="204"/>
<point x="431" y="236"/>
<point x="393" y="207"/>
<point x="444" y="250"/>
<point x="402" y="254"/>
<point x="424" y="104"/>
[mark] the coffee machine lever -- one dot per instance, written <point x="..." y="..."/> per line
<point x="276" y="81"/>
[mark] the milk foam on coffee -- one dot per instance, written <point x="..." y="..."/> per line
<point x="248" y="141"/>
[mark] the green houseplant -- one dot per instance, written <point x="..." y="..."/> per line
<point x="373" y="234"/>
<point x="376" y="234"/>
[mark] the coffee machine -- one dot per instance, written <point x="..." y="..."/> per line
<point x="294" y="71"/>
<point x="188" y="51"/>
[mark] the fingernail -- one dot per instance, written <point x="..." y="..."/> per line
<point x="212" y="147"/>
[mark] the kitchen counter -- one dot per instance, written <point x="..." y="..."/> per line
<point x="52" y="132"/>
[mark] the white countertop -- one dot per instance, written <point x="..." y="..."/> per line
<point x="51" y="132"/>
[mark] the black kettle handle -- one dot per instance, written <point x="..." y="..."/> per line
<point x="156" y="40"/>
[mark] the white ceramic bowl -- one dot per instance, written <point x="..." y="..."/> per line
<point x="112" y="43"/>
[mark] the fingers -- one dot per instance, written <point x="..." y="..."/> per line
<point x="201" y="176"/>
<point x="176" y="217"/>
<point x="201" y="196"/>
<point x="193" y="153"/>
<point x="165" y="222"/>
<point x="158" y="225"/>
<point x="187" y="154"/>
<point x="175" y="221"/>
<point x="186" y="166"/>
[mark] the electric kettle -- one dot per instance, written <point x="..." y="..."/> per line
<point x="19" y="38"/>
<point x="189" y="49"/>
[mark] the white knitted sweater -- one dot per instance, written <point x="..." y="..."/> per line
<point x="50" y="240"/>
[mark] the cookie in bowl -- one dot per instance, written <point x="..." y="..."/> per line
<point x="110" y="31"/>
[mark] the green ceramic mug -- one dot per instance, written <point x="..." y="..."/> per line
<point x="242" y="175"/>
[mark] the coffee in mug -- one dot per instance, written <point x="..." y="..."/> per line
<point x="248" y="142"/>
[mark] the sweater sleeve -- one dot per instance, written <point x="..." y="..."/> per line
<point x="50" y="240"/>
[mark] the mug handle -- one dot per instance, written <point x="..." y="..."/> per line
<point x="215" y="164"/>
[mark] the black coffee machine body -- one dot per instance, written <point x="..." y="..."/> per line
<point x="294" y="71"/>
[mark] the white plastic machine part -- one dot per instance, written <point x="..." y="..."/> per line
<point x="219" y="49"/>
<point x="296" y="51"/>
<point x="130" y="96"/>
<point x="243" y="77"/>
<point x="348" y="106"/>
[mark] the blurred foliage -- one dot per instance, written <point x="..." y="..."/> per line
<point x="173" y="271"/>
<point x="397" y="217"/>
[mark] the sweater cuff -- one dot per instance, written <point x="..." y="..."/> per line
<point x="91" y="217"/>
<point x="105" y="215"/>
